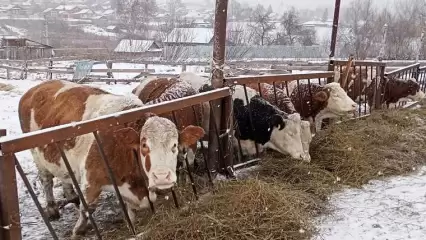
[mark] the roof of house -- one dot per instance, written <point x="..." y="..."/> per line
<point x="108" y="12"/>
<point x="47" y="10"/>
<point x="134" y="46"/>
<point x="190" y="35"/>
<point x="84" y="11"/>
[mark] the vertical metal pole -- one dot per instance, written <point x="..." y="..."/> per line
<point x="335" y="27"/>
<point x="334" y="37"/>
<point x="34" y="197"/>
<point x="113" y="181"/>
<point x="9" y="203"/>
<point x="221" y="13"/>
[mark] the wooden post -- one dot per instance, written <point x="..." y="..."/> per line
<point x="50" y="74"/>
<point x="9" y="203"/>
<point x="218" y="61"/>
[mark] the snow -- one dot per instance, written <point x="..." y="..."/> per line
<point x="393" y="209"/>
<point x="98" y="31"/>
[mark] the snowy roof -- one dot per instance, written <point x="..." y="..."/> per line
<point x="134" y="46"/>
<point x="83" y="11"/>
<point x="108" y="12"/>
<point x="190" y="35"/>
<point x="112" y="27"/>
<point x="47" y="10"/>
<point x="69" y="7"/>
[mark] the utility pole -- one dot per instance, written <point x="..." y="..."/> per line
<point x="46" y="31"/>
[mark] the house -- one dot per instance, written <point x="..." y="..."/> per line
<point x="17" y="48"/>
<point x="12" y="11"/>
<point x="84" y="14"/>
<point x="137" y="48"/>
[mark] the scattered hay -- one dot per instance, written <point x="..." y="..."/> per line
<point x="6" y="87"/>
<point x="249" y="209"/>
<point x="384" y="144"/>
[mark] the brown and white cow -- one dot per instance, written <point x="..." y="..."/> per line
<point x="393" y="90"/>
<point x="157" y="140"/>
<point x="320" y="102"/>
<point x="161" y="90"/>
<point x="356" y="83"/>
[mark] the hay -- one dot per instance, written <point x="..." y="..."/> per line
<point x="6" y="87"/>
<point x="284" y="195"/>
<point x="249" y="209"/>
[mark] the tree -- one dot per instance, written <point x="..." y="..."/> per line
<point x="262" y="25"/>
<point x="291" y="26"/>
<point x="136" y="14"/>
<point x="307" y="37"/>
<point x="325" y="15"/>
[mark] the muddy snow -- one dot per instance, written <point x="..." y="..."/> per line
<point x="393" y="209"/>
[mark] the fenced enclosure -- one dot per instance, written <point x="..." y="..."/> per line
<point x="226" y="161"/>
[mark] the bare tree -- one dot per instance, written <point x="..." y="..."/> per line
<point x="136" y="14"/>
<point x="360" y="17"/>
<point x="291" y="26"/>
<point x="262" y="25"/>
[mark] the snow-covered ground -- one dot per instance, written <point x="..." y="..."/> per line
<point x="393" y="209"/>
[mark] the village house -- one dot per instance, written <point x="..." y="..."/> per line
<point x="137" y="48"/>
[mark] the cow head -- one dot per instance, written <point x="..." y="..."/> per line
<point x="412" y="88"/>
<point x="338" y="102"/>
<point x="286" y="135"/>
<point x="158" y="144"/>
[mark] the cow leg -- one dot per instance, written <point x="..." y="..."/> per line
<point x="46" y="179"/>
<point x="70" y="195"/>
<point x="91" y="195"/>
<point x="132" y="216"/>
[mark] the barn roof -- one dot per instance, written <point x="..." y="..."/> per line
<point x="135" y="46"/>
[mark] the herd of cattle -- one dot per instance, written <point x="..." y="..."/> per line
<point x="282" y="124"/>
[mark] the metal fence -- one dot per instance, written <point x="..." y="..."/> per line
<point x="57" y="136"/>
<point x="360" y="75"/>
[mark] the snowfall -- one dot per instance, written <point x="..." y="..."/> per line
<point x="390" y="209"/>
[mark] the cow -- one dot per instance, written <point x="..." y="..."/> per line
<point x="161" y="90"/>
<point x="155" y="140"/>
<point x="393" y="90"/>
<point x="196" y="81"/>
<point x="273" y="128"/>
<point x="356" y="83"/>
<point x="316" y="102"/>
<point x="277" y="97"/>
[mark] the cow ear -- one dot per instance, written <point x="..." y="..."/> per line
<point x="321" y="96"/>
<point x="277" y="121"/>
<point x="128" y="136"/>
<point x="190" y="135"/>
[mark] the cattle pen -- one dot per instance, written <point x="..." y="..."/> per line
<point x="220" y="157"/>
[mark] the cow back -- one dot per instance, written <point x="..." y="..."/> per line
<point x="282" y="101"/>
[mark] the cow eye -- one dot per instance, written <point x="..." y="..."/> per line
<point x="144" y="145"/>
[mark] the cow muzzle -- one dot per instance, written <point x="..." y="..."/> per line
<point x="162" y="179"/>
